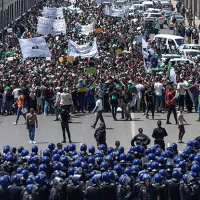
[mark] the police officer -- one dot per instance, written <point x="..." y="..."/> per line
<point x="64" y="119"/>
<point x="4" y="183"/>
<point x="140" y="139"/>
<point x="74" y="191"/>
<point x="159" y="133"/>
<point x="149" y="98"/>
<point x="30" y="193"/>
<point x="56" y="192"/>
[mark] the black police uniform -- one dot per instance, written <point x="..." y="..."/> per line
<point x="27" y="196"/>
<point x="43" y="192"/>
<point x="15" y="192"/>
<point x="57" y="194"/>
<point x="75" y="192"/>
<point x="94" y="192"/>
<point x="122" y="193"/>
<point x="64" y="123"/>
<point x="173" y="192"/>
<point x="139" y="139"/>
<point x="150" y="99"/>
<point x="109" y="191"/>
<point x="161" y="190"/>
<point x="149" y="192"/>
<point x="4" y="194"/>
<point x="159" y="133"/>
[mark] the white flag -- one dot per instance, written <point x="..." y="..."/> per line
<point x="85" y="51"/>
<point x="53" y="12"/>
<point x="51" y="26"/>
<point x="172" y="75"/>
<point x="34" y="48"/>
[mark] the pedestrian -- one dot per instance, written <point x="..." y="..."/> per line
<point x="66" y="99"/>
<point x="100" y="135"/>
<point x="181" y="127"/>
<point x="98" y="109"/>
<point x="113" y="100"/>
<point x="20" y="105"/>
<point x="64" y="118"/>
<point x="31" y="123"/>
<point x="158" y="134"/>
<point x="57" y="103"/>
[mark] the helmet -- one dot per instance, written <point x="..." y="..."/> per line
<point x="158" y="152"/>
<point x="20" y="149"/>
<point x="64" y="160"/>
<point x="30" y="188"/>
<point x="46" y="160"/>
<point x="127" y="171"/>
<point x="197" y="158"/>
<point x="96" y="178"/>
<point x="174" y="146"/>
<point x="38" y="180"/>
<point x="71" y="171"/>
<point x="99" y="160"/>
<point x="137" y="162"/>
<point x="104" y="166"/>
<point x="155" y="166"/>
<point x="55" y="151"/>
<point x="76" y="178"/>
<point x="146" y="177"/>
<point x="157" y="178"/>
<point x="111" y="175"/>
<point x="110" y="150"/>
<point x="24" y="153"/>
<point x="118" y="169"/>
<point x="130" y="157"/>
<point x="178" y="160"/>
<point x="135" y="169"/>
<point x="60" y="174"/>
<point x="192" y="174"/>
<point x="66" y="148"/>
<point x="61" y="152"/>
<point x="84" y="165"/>
<point x="188" y="177"/>
<point x="91" y="149"/>
<point x="148" y="151"/>
<point x="51" y="146"/>
<point x="191" y="157"/>
<point x="83" y="147"/>
<point x="161" y="161"/>
<point x="19" y="170"/>
<point x="6" y="149"/>
<point x="163" y="172"/>
<point x="35" y="149"/>
<point x="102" y="147"/>
<point x="148" y="165"/>
<point x="57" y="166"/>
<point x="92" y="174"/>
<point x="74" y="153"/>
<point x="16" y="179"/>
<point x="182" y="165"/>
<point x="121" y="149"/>
<point x="195" y="169"/>
<point x="124" y="179"/>
<point x="29" y="181"/>
<point x="72" y="147"/>
<point x="164" y="155"/>
<point x="32" y="168"/>
<point x="151" y="156"/>
<point x="9" y="158"/>
<point x="190" y="143"/>
<point x="91" y="160"/>
<point x="77" y="163"/>
<point x="195" y="162"/>
<point x="25" y="173"/>
<point x="43" y="168"/>
<point x="157" y="146"/>
<point x="46" y="153"/>
<point x="56" y="157"/>
<point x="196" y="144"/>
<point x="109" y="158"/>
<point x="123" y="157"/>
<point x="105" y="177"/>
<point x="58" y="181"/>
<point x="176" y="174"/>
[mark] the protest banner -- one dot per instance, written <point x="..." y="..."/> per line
<point x="52" y="12"/>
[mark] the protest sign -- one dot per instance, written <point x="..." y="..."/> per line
<point x="98" y="30"/>
<point x="70" y="58"/>
<point x="90" y="70"/>
<point x="53" y="12"/>
<point x="118" y="51"/>
<point x="61" y="59"/>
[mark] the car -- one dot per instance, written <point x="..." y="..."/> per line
<point x="183" y="61"/>
<point x="137" y="8"/>
<point x="190" y="53"/>
<point x="189" y="46"/>
<point x="167" y="6"/>
<point x="148" y="4"/>
<point x="148" y="25"/>
<point x="167" y="14"/>
<point x="179" y="19"/>
<point x="157" y="16"/>
<point x="153" y="10"/>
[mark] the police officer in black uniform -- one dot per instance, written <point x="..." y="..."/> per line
<point x="159" y="133"/>
<point x="149" y="98"/>
<point x="141" y="139"/>
<point x="64" y="119"/>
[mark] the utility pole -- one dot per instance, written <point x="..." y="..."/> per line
<point x="2" y="21"/>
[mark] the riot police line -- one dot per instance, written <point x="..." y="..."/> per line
<point x="66" y="173"/>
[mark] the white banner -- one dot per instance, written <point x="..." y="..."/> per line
<point x="115" y="12"/>
<point x="85" y="29"/>
<point x="172" y="75"/>
<point x="53" y="12"/>
<point x="34" y="48"/>
<point x="85" y="51"/>
<point x="51" y="26"/>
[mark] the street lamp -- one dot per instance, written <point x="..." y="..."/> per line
<point x="2" y="21"/>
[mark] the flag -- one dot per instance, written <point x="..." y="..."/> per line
<point x="172" y="75"/>
<point x="85" y="29"/>
<point x="85" y="51"/>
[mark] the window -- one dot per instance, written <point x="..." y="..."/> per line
<point x="179" y="41"/>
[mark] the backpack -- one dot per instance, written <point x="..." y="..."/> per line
<point x="38" y="92"/>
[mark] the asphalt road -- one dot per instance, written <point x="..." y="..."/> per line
<point x="124" y="131"/>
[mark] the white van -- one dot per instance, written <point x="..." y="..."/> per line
<point x="147" y="4"/>
<point x="169" y="40"/>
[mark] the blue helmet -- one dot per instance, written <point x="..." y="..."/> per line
<point x="16" y="179"/>
<point x="30" y="188"/>
<point x="137" y="162"/>
<point x="60" y="174"/>
<point x="6" y="149"/>
<point x="29" y="181"/>
<point x="84" y="165"/>
<point x="188" y="177"/>
<point x="192" y="174"/>
<point x="151" y="156"/>
<point x="104" y="166"/>
<point x="164" y="155"/>
<point x="190" y="143"/>
<point x="163" y="172"/>
<point x="109" y="158"/>
<point x="148" y="151"/>
<point x="38" y="179"/>
<point x="74" y="153"/>
<point x="75" y="178"/>
<point x="102" y="147"/>
<point x="196" y="144"/>
<point x="57" y="166"/>
<point x="61" y="152"/>
<point x="111" y="175"/>
<point x="66" y="148"/>
<point x="71" y="171"/>
<point x="83" y="147"/>
<point x="123" y="157"/>
<point x="64" y="160"/>
<point x="124" y="179"/>
<point x="56" y="157"/>
<point x="32" y="168"/>
<point x="96" y="179"/>
<point x="157" y="178"/>
<point x="182" y="165"/>
<point x="24" y="153"/>
<point x="55" y="151"/>
<point x="174" y="146"/>
<point x="195" y="169"/>
<point x="20" y="149"/>
<point x="120" y="149"/>
<point x="25" y="173"/>
<point x="4" y="182"/>
<point x="51" y="146"/>
<point x="153" y="150"/>
<point x="72" y="147"/>
<point x="46" y="160"/>
<point x="148" y="165"/>
<point x="9" y="158"/>
<point x="161" y="161"/>
<point x="158" y="152"/>
<point x="155" y="166"/>
<point x="91" y="160"/>
<point x="99" y="160"/>
<point x="19" y="170"/>
<point x="176" y="174"/>
<point x="130" y="157"/>
<point x="110" y="150"/>
<point x="195" y="162"/>
<point x="92" y="174"/>
<point x="191" y="157"/>
<point x="43" y="168"/>
<point x="146" y="177"/>
<point x="77" y="163"/>
<point x="91" y="150"/>
<point x="197" y="158"/>
<point x="34" y="149"/>
<point x="157" y="146"/>
<point x="105" y="177"/>
<point x="118" y="169"/>
<point x="46" y="153"/>
<point x="135" y="169"/>
<point x="127" y="171"/>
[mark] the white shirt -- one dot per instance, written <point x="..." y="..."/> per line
<point x="139" y="87"/>
<point x="180" y="88"/>
<point x="65" y="99"/>
<point x="158" y="88"/>
<point x="15" y="93"/>
<point x="99" y="104"/>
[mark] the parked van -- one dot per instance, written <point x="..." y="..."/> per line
<point x="147" y="4"/>
<point x="169" y="40"/>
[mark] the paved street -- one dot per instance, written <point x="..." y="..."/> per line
<point x="50" y="131"/>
